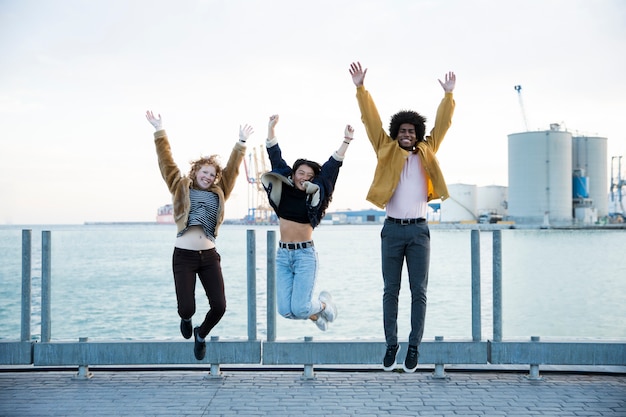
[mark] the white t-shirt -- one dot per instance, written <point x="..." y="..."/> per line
<point x="409" y="200"/>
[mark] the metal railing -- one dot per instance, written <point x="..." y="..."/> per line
<point x="306" y="353"/>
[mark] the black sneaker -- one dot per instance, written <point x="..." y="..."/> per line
<point x="199" y="348"/>
<point x="185" y="328"/>
<point x="389" y="362"/>
<point x="410" y="363"/>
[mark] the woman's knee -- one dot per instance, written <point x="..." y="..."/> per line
<point x="285" y="312"/>
<point x="301" y="312"/>
<point x="219" y="307"/>
<point x="186" y="311"/>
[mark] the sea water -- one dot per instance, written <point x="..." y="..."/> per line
<point x="114" y="282"/>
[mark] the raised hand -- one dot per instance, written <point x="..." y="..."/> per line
<point x="154" y="121"/>
<point x="245" y="132"/>
<point x="357" y="73"/>
<point x="450" y="82"/>
<point x="348" y="134"/>
<point x="270" y="126"/>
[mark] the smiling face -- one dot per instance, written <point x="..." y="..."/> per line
<point x="407" y="138"/>
<point x="303" y="173"/>
<point x="205" y="176"/>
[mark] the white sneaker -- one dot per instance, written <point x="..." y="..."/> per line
<point x="321" y="323"/>
<point x="330" y="312"/>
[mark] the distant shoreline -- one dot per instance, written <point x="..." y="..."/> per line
<point x="434" y="225"/>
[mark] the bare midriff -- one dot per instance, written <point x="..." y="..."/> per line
<point x="291" y="231"/>
<point x="194" y="239"/>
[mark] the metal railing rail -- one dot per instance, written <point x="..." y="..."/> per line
<point x="307" y="353"/>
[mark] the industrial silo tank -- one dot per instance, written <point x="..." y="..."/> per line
<point x="589" y="154"/>
<point x="460" y="206"/>
<point x="492" y="199"/>
<point x="540" y="177"/>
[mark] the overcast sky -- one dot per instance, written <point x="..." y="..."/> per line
<point x="78" y="76"/>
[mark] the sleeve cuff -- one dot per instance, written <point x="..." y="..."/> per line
<point x="338" y="157"/>
<point x="271" y="142"/>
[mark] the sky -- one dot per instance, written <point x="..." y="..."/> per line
<point x="77" y="77"/>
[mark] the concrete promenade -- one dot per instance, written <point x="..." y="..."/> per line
<point x="329" y="392"/>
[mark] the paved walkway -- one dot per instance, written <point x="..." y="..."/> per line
<point x="329" y="393"/>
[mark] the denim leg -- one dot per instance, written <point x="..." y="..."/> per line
<point x="305" y="269"/>
<point x="418" y="261"/>
<point x="296" y="274"/>
<point x="284" y="283"/>
<point x="392" y="259"/>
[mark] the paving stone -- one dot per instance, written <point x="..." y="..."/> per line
<point x="252" y="393"/>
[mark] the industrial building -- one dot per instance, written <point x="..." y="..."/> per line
<point x="554" y="179"/>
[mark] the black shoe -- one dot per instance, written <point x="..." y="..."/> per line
<point x="199" y="348"/>
<point x="410" y="363"/>
<point x="185" y="328"/>
<point x="390" y="357"/>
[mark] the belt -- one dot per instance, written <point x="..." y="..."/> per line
<point x="297" y="245"/>
<point x="406" y="221"/>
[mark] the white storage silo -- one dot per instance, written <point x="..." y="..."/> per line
<point x="590" y="155"/>
<point x="492" y="199"/>
<point x="461" y="205"/>
<point x="540" y="177"/>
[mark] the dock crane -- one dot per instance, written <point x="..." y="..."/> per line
<point x="617" y="184"/>
<point x="259" y="210"/>
<point x="518" y="88"/>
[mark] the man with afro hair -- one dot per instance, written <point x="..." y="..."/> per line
<point x="406" y="178"/>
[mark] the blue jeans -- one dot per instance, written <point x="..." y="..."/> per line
<point x="400" y="242"/>
<point x="296" y="274"/>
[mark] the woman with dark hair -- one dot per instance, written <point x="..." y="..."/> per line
<point x="300" y="196"/>
<point x="198" y="199"/>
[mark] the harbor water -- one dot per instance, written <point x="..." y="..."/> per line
<point x="114" y="282"/>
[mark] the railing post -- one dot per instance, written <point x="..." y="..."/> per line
<point x="46" y="319"/>
<point x="439" y="367"/>
<point x="251" y="250"/>
<point x="26" y="283"/>
<point x="476" y="320"/>
<point x="215" y="371"/>
<point x="83" y="369"/>
<point x="308" y="368"/>
<point x="534" y="368"/>
<point x="271" y="286"/>
<point x="497" y="286"/>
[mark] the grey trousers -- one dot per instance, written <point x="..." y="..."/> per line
<point x="400" y="242"/>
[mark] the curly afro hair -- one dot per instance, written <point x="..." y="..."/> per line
<point x="411" y="117"/>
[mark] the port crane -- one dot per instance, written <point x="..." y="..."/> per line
<point x="259" y="210"/>
<point x="617" y="184"/>
<point x="518" y="88"/>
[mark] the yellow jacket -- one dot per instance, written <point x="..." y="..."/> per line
<point x="179" y="184"/>
<point x="391" y="157"/>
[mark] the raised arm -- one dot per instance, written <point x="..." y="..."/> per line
<point x="348" y="135"/>
<point x="274" y="153"/>
<point x="443" y="120"/>
<point x="231" y="170"/>
<point x="369" y="113"/>
<point x="271" y="134"/>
